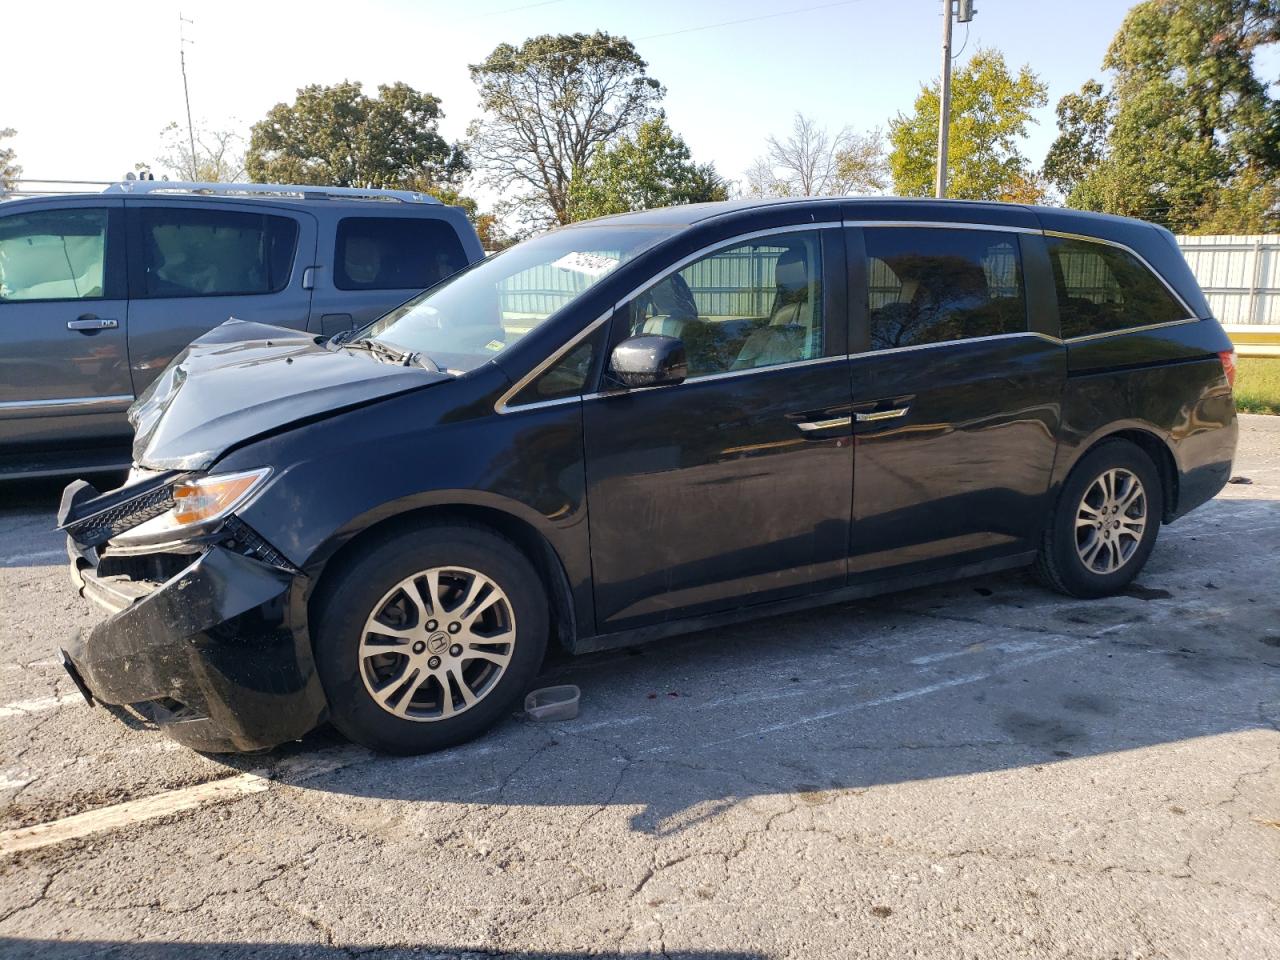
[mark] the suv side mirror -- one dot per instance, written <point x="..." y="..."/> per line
<point x="649" y="360"/>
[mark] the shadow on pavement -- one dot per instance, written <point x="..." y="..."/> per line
<point x="168" y="950"/>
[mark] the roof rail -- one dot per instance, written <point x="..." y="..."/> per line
<point x="289" y="191"/>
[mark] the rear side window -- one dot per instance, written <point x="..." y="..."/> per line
<point x="392" y="253"/>
<point x="213" y="253"/>
<point x="53" y="255"/>
<point x="1102" y="289"/>
<point x="933" y="285"/>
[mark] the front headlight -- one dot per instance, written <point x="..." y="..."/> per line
<point x="198" y="504"/>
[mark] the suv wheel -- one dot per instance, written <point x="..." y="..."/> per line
<point x="427" y="639"/>
<point x="1105" y="524"/>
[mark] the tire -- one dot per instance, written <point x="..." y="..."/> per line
<point x="1101" y="557"/>
<point x="369" y="631"/>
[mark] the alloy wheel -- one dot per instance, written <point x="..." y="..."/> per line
<point x="437" y="643"/>
<point x="1110" y="521"/>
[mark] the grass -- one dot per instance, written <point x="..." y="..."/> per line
<point x="1258" y="385"/>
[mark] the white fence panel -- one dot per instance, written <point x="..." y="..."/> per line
<point x="1239" y="275"/>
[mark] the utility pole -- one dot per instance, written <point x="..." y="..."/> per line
<point x="186" y="94"/>
<point x="944" y="105"/>
<point x="964" y="13"/>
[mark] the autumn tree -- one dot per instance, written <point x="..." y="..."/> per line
<point x="811" y="162"/>
<point x="549" y="105"/>
<point x="337" y="135"/>
<point x="1185" y="133"/>
<point x="991" y="111"/>
<point x="653" y="168"/>
<point x="218" y="158"/>
<point x="9" y="169"/>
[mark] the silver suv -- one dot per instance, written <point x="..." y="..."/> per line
<point x="99" y="291"/>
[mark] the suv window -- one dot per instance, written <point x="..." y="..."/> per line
<point x="1102" y="288"/>
<point x="755" y="304"/>
<point x="390" y="253"/>
<point x="209" y="253"/>
<point x="933" y="285"/>
<point x="53" y="255"/>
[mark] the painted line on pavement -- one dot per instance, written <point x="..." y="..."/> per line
<point x="130" y="812"/>
<point x="37" y="555"/>
<point x="25" y="708"/>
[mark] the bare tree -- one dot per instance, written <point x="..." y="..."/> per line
<point x="813" y="163"/>
<point x="9" y="170"/>
<point x="549" y="104"/>
<point x="219" y="156"/>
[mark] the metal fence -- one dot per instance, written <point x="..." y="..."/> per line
<point x="1239" y="275"/>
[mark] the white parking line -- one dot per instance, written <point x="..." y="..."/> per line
<point x="120" y="815"/>
<point x="18" y="558"/>
<point x="25" y="708"/>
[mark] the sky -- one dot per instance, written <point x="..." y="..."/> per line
<point x="90" y="85"/>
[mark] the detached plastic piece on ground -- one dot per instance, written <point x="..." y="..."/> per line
<point x="553" y="703"/>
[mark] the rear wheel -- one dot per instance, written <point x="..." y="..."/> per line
<point x="427" y="639"/>
<point x="1105" y="524"/>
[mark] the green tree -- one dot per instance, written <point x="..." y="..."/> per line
<point x="653" y="168"/>
<point x="337" y="135"/>
<point x="9" y="169"/>
<point x="1187" y="134"/>
<point x="990" y="113"/>
<point x="549" y="104"/>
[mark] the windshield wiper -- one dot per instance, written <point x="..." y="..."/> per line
<point x="385" y="351"/>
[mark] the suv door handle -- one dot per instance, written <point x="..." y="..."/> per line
<point x="807" y="425"/>
<point x="893" y="414"/>
<point x="90" y="322"/>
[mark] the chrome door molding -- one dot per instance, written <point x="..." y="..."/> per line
<point x="69" y="405"/>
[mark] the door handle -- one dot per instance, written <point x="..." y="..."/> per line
<point x="807" y="425"/>
<point x="878" y="415"/>
<point x="89" y="322"/>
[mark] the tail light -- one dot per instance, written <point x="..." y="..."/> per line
<point x="1228" y="358"/>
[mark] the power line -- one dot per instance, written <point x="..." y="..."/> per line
<point x="523" y="6"/>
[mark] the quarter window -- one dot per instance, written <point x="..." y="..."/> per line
<point x="53" y="255"/>
<point x="393" y="253"/>
<point x="755" y="304"/>
<point x="210" y="253"/>
<point x="1102" y="289"/>
<point x="937" y="285"/>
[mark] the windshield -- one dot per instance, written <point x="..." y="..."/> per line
<point x="475" y="315"/>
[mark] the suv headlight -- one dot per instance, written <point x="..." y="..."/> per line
<point x="198" y="504"/>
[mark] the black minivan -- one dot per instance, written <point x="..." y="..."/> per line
<point x="633" y="427"/>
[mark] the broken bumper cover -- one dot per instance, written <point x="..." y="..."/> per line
<point x="209" y="654"/>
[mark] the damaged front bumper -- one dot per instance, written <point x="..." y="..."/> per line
<point x="200" y="639"/>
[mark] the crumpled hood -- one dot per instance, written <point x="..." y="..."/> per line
<point x="242" y="380"/>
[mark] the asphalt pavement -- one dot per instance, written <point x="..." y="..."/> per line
<point x="983" y="770"/>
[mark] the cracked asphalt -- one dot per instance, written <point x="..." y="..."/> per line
<point x="978" y="770"/>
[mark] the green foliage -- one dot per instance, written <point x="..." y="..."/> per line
<point x="990" y="113"/>
<point x="549" y="105"/>
<point x="1258" y="385"/>
<point x="1187" y="135"/>
<point x="9" y="169"/>
<point x="651" y="169"/>
<point x="337" y="135"/>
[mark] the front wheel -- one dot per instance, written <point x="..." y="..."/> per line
<point x="1105" y="524"/>
<point x="429" y="637"/>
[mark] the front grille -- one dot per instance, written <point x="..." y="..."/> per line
<point x="99" y="527"/>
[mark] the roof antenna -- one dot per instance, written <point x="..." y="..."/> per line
<point x="182" y="59"/>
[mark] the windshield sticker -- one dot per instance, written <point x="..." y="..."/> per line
<point x="592" y="264"/>
<point x="494" y="345"/>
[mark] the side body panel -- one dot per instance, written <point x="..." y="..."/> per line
<point x="61" y="385"/>
<point x="161" y="326"/>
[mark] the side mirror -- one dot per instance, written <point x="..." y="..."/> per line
<point x="649" y="360"/>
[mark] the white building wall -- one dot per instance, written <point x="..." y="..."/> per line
<point x="1239" y="275"/>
